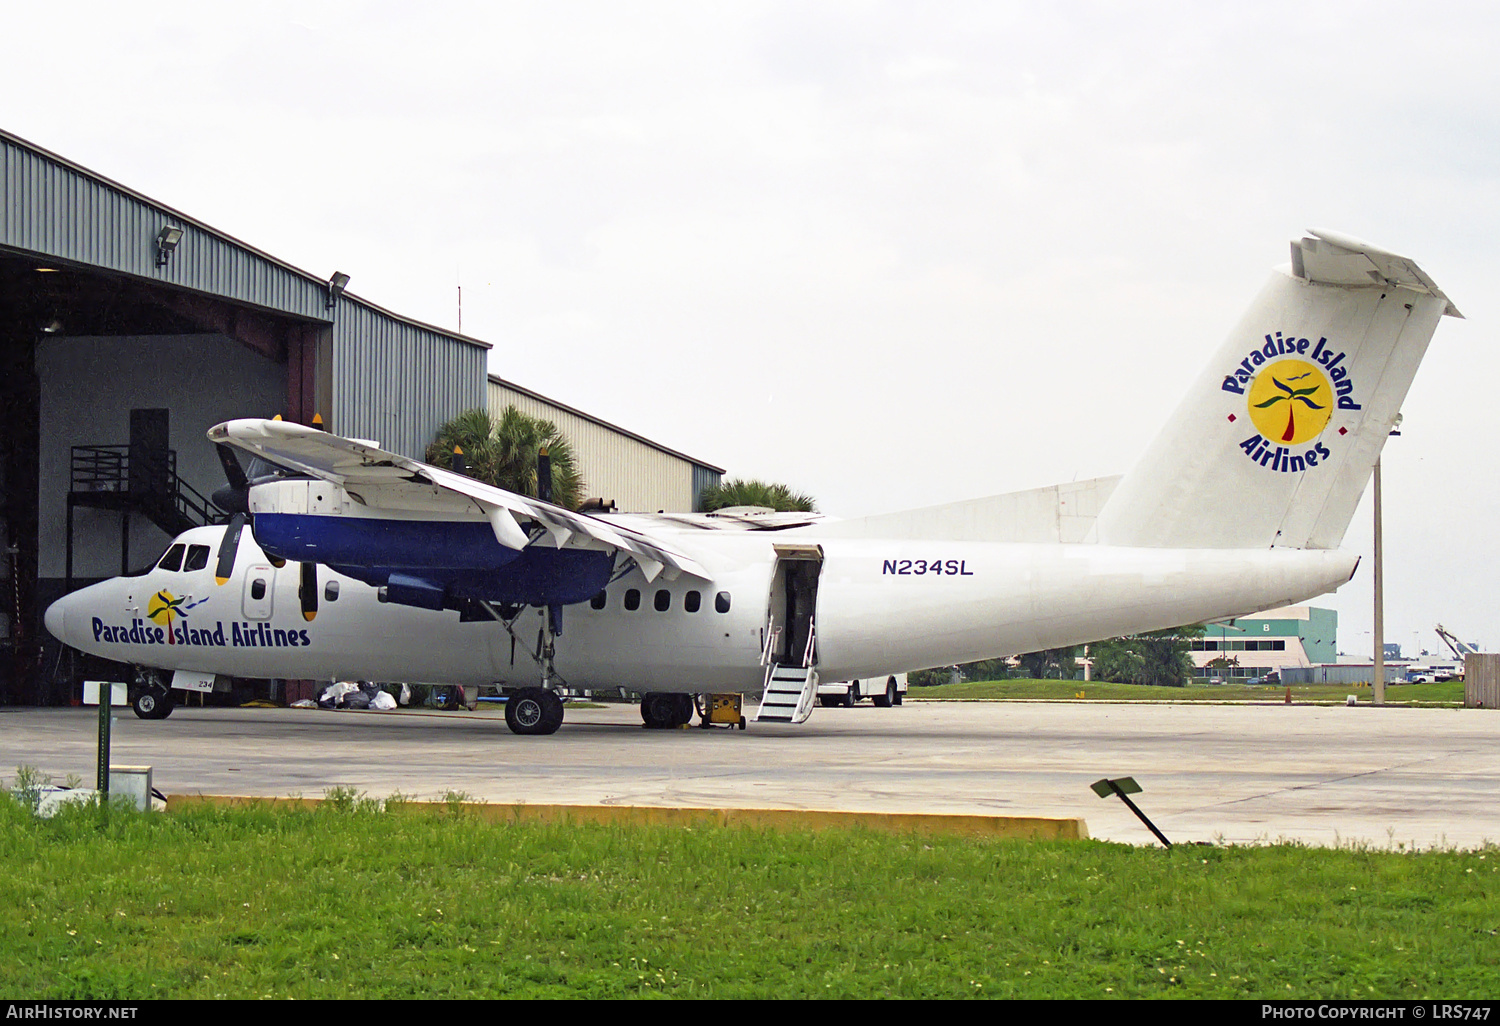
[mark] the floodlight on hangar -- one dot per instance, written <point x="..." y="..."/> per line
<point x="336" y="286"/>
<point x="166" y="241"/>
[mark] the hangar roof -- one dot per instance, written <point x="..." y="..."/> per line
<point x="53" y="207"/>
<point x="370" y="372"/>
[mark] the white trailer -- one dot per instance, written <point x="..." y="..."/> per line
<point x="883" y="691"/>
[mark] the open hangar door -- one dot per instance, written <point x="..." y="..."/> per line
<point x="97" y="369"/>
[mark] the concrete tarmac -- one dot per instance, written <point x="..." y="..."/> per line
<point x="1242" y="774"/>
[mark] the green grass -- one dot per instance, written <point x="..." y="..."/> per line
<point x="350" y="901"/>
<point x="1448" y="693"/>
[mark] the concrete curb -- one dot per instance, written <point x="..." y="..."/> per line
<point x="1036" y="828"/>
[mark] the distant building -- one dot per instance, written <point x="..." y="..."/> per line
<point x="635" y="473"/>
<point x="1268" y="642"/>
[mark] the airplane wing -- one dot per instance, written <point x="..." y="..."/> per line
<point x="380" y="479"/>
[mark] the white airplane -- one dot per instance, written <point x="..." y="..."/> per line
<point x="409" y="572"/>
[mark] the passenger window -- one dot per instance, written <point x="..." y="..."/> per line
<point x="331" y="591"/>
<point x="172" y="560"/>
<point x="597" y="602"/>
<point x="197" y="557"/>
<point x="663" y="600"/>
<point x="691" y="601"/>
<point x="632" y="599"/>
<point x="721" y="602"/>
<point x="258" y="589"/>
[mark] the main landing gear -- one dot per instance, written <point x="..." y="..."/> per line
<point x="533" y="711"/>
<point x="664" y="710"/>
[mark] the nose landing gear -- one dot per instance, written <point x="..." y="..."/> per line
<point x="150" y="698"/>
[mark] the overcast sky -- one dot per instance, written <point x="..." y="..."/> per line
<point x="891" y="254"/>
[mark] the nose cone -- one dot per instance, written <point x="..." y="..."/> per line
<point x="56" y="619"/>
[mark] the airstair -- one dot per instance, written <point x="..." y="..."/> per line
<point x="790" y="690"/>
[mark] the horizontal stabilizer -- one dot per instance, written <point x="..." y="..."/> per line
<point x="1331" y="258"/>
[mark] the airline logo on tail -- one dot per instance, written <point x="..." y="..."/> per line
<point x="1291" y="387"/>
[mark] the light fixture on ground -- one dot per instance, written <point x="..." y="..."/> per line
<point x="166" y="242"/>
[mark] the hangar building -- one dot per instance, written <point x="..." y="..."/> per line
<point x="127" y="328"/>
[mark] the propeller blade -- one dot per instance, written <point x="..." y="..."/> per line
<point x="224" y="569"/>
<point x="233" y="472"/>
<point x="308" y="592"/>
<point x="234" y="497"/>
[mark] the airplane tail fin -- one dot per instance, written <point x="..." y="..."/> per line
<point x="1274" y="443"/>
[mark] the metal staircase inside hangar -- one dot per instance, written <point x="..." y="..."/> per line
<point x="138" y="478"/>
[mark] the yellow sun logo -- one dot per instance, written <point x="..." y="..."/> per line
<point x="1290" y="401"/>
<point x="162" y="607"/>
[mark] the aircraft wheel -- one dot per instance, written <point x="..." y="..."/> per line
<point x="554" y="711"/>
<point x="684" y="711"/>
<point x="649" y="704"/>
<point x="660" y="710"/>
<point x="153" y="704"/>
<point x="533" y="711"/>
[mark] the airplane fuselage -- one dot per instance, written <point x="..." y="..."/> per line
<point x="881" y="604"/>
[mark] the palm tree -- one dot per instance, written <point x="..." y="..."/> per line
<point x="502" y="451"/>
<point x="162" y="606"/>
<point x="1154" y="657"/>
<point x="755" y="493"/>
<point x="1289" y="396"/>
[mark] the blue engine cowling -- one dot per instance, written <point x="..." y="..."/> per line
<point x="435" y="564"/>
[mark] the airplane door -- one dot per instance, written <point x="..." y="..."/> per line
<point x="260" y="589"/>
<point x="793" y="604"/>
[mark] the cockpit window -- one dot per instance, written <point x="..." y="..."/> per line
<point x="197" y="557"/>
<point x="172" y="560"/>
